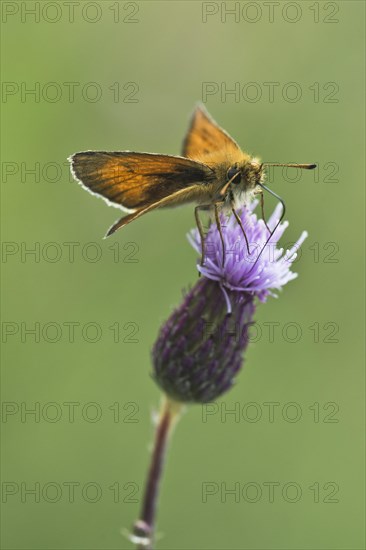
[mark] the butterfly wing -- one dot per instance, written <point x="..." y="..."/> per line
<point x="205" y="137"/>
<point x="136" y="180"/>
<point x="139" y="182"/>
<point x="172" y="199"/>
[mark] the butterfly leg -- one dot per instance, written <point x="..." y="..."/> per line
<point x="203" y="207"/>
<point x="241" y="227"/>
<point x="206" y="207"/>
<point x="219" y="227"/>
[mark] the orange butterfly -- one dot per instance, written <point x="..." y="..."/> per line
<point x="212" y="172"/>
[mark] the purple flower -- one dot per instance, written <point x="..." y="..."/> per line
<point x="261" y="270"/>
<point x="199" y="349"/>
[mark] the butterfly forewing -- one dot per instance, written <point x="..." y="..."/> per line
<point x="205" y="137"/>
<point x="138" y="180"/>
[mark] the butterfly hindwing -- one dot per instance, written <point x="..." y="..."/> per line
<point x="170" y="200"/>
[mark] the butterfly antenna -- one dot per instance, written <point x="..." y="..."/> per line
<point x="302" y="166"/>
<point x="277" y="224"/>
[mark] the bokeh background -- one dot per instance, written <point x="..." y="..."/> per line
<point x="137" y="70"/>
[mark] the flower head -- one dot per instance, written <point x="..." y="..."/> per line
<point x="263" y="268"/>
<point x="198" y="352"/>
<point x="199" y="349"/>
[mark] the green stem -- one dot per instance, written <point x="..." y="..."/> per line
<point x="144" y="528"/>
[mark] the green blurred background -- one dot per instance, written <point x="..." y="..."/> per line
<point x="168" y="50"/>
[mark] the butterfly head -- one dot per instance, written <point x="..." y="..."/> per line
<point x="245" y="176"/>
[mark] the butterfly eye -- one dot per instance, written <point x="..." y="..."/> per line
<point x="234" y="171"/>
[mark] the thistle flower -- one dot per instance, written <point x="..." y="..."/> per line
<point x="264" y="268"/>
<point x="199" y="349"/>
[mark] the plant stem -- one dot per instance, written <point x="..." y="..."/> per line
<point x="143" y="529"/>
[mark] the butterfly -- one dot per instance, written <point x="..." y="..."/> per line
<point x="213" y="173"/>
